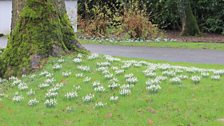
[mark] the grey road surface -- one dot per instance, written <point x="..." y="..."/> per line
<point x="166" y="54"/>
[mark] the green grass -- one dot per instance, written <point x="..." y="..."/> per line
<point x="174" y="105"/>
<point x="185" y="45"/>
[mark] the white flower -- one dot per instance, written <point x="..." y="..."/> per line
<point x="153" y="88"/>
<point x="113" y="98"/>
<point x="79" y="55"/>
<point x="51" y="94"/>
<point x="113" y="85"/>
<point x="31" y="92"/>
<point x="17" y="97"/>
<point x="108" y="76"/>
<point x="120" y="71"/>
<point x="49" y="80"/>
<point x="33" y="102"/>
<point x="77" y="60"/>
<point x="61" y="60"/>
<point x="93" y="56"/>
<point x="96" y="84"/>
<point x="66" y="74"/>
<point x="57" y="67"/>
<point x="99" y="105"/>
<point x="87" y="79"/>
<point x="132" y="80"/>
<point x="22" y="86"/>
<point x="88" y="98"/>
<point x="50" y="103"/>
<point x="204" y="74"/>
<point x="79" y="75"/>
<point x="125" y="92"/>
<point x="196" y="79"/>
<point x="71" y="95"/>
<point x="103" y="64"/>
<point x="84" y="68"/>
<point x="175" y="80"/>
<point x="99" y="89"/>
<point x="43" y="85"/>
<point x="215" y="77"/>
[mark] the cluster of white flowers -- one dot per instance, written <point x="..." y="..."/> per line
<point x="88" y="98"/>
<point x="215" y="77"/>
<point x="17" y="97"/>
<point x="84" y="68"/>
<point x="119" y="71"/>
<point x="30" y="92"/>
<point x="51" y="94"/>
<point x="196" y="79"/>
<point x="99" y="104"/>
<point x="57" y="66"/>
<point x="87" y="79"/>
<point x="103" y="64"/>
<point x="125" y="92"/>
<point x="114" y="98"/>
<point x="113" y="85"/>
<point x="50" y="103"/>
<point x="66" y="74"/>
<point x="22" y="86"/>
<point x="44" y="85"/>
<point x="61" y="60"/>
<point x="77" y="60"/>
<point x="33" y="102"/>
<point x="46" y="74"/>
<point x="79" y="75"/>
<point x="176" y="80"/>
<point x="98" y="87"/>
<point x="93" y="56"/>
<point x="71" y="95"/>
<point x="153" y="88"/>
<point x="169" y="73"/>
<point x="205" y="74"/>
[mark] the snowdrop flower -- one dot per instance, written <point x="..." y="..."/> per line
<point x="215" y="77"/>
<point x="57" y="67"/>
<point x="103" y="64"/>
<point x="87" y="79"/>
<point x="51" y="95"/>
<point x="169" y="73"/>
<point x="99" y="89"/>
<point x="44" y="85"/>
<point x="17" y="97"/>
<point x="50" y="103"/>
<point x="113" y="85"/>
<point x="219" y="72"/>
<point x="30" y="92"/>
<point x="96" y="84"/>
<point x="77" y="60"/>
<point x="71" y="95"/>
<point x="43" y="73"/>
<point x="114" y="98"/>
<point x="54" y="89"/>
<point x="204" y="74"/>
<point x="84" y="68"/>
<point x="128" y="75"/>
<point x="66" y="74"/>
<point x="93" y="56"/>
<point x="49" y="80"/>
<point x="120" y="71"/>
<point x="12" y="78"/>
<point x="88" y="98"/>
<point x="153" y="82"/>
<point x="61" y="60"/>
<point x="153" y="88"/>
<point x="22" y="86"/>
<point x="196" y="79"/>
<point x="175" y="80"/>
<point x="125" y="92"/>
<point x="16" y="82"/>
<point x="108" y="76"/>
<point x="33" y="102"/>
<point x="99" y="105"/>
<point x="79" y="75"/>
<point x="132" y="80"/>
<point x="182" y="77"/>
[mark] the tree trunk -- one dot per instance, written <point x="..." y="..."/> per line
<point x="189" y="22"/>
<point x="42" y="29"/>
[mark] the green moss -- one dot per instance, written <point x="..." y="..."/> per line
<point x="40" y="29"/>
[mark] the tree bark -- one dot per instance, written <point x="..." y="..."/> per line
<point x="42" y="29"/>
<point x="189" y="22"/>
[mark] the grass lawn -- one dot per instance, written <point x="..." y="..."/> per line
<point x="188" y="96"/>
<point x="186" y="45"/>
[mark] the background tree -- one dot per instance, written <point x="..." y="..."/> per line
<point x="42" y="29"/>
<point x="189" y="22"/>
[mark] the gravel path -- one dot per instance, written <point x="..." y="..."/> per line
<point x="166" y="54"/>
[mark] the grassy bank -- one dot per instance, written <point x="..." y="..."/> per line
<point x="184" y="102"/>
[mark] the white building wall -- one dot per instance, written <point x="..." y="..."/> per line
<point x="6" y="8"/>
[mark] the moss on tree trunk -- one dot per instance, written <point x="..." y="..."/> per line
<point x="41" y="30"/>
<point x="189" y="22"/>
